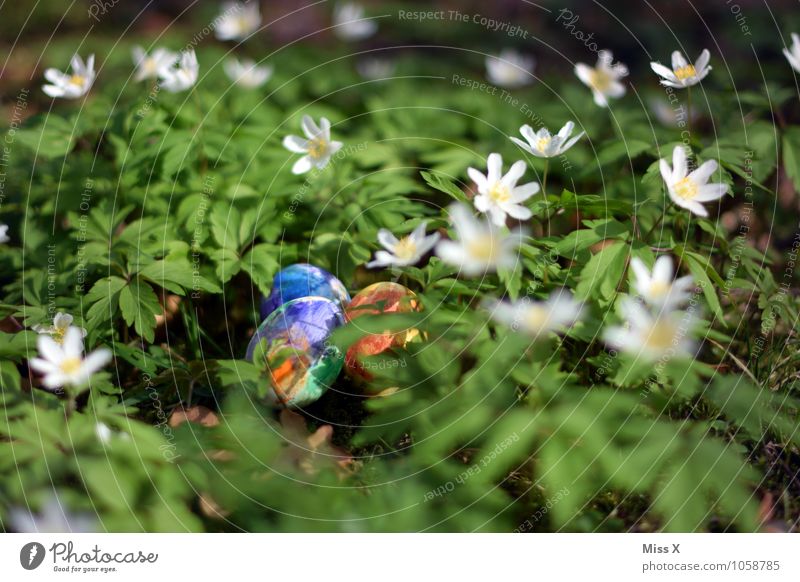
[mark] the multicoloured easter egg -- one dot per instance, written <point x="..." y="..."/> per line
<point x="303" y="280"/>
<point x="301" y="362"/>
<point x="379" y="298"/>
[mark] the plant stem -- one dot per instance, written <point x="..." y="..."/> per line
<point x="544" y="176"/>
<point x="689" y="111"/>
<point x="655" y="225"/>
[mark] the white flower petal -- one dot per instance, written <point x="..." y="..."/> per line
<point x="514" y="174"/>
<point x="584" y="73"/>
<point x="663" y="71"/>
<point x="495" y="168"/>
<point x="498" y="215"/>
<point x="518" y="211"/>
<point x="679" y="166"/>
<point x="480" y="180"/>
<point x="451" y="252"/>
<point x="387" y="239"/>
<point x="295" y="144"/>
<point x="704" y="172"/>
<point x="525" y="146"/>
<point x="710" y="192"/>
<point x="702" y="62"/>
<point x="522" y="193"/>
<point x="95" y="361"/>
<point x="309" y="127"/>
<point x="678" y="60"/>
<point x="662" y="270"/>
<point x="302" y="165"/>
<point x="640" y="271"/>
<point x="72" y="344"/>
<point x="382" y="259"/>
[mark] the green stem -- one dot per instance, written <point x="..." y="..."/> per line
<point x="655" y="225"/>
<point x="689" y="111"/>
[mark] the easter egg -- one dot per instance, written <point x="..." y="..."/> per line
<point x="376" y="299"/>
<point x="303" y="280"/>
<point x="302" y="364"/>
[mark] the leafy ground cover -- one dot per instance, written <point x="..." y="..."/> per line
<point x="628" y="402"/>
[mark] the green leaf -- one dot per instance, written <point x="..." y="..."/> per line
<point x="261" y="263"/>
<point x="104" y="299"/>
<point x="601" y="275"/>
<point x="49" y="136"/>
<point x="140" y="306"/>
<point x="702" y="271"/>
<point x="10" y="378"/>
<point x="442" y="184"/>
<point x="177" y="276"/>
<point x="758" y="411"/>
<point x="791" y="155"/>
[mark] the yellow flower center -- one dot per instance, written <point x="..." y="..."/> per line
<point x="659" y="288"/>
<point x="317" y="148"/>
<point x="244" y="23"/>
<point x="543" y="142"/>
<point x="499" y="193"/>
<point x="405" y="249"/>
<point x="484" y="248"/>
<point x="685" y="72"/>
<point x="600" y="80"/>
<point x="660" y="336"/>
<point x="686" y="188"/>
<point x="70" y="365"/>
<point x="77" y="80"/>
<point x="58" y="334"/>
<point x="149" y="65"/>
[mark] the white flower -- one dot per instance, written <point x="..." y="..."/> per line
<point x="604" y="78"/>
<point x="499" y="195"/>
<point x="657" y="288"/>
<point x="63" y="364"/>
<point x="349" y="22"/>
<point x="543" y="145"/>
<point x="247" y="73"/>
<point x="54" y="518"/>
<point x="650" y="336"/>
<point x="61" y="323"/>
<point x="688" y="191"/>
<point x="374" y="68"/>
<point x="682" y="73"/>
<point x="74" y="85"/>
<point x="237" y="20"/>
<point x="318" y="147"/>
<point x="154" y="65"/>
<point x="538" y="317"/>
<point x="481" y="246"/>
<point x="793" y="54"/>
<point x="510" y="69"/>
<point x="182" y="77"/>
<point x="406" y="251"/>
<point x="4" y="233"/>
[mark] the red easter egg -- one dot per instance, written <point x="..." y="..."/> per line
<point x="377" y="299"/>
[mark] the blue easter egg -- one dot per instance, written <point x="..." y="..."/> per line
<point x="303" y="280"/>
<point x="302" y="364"/>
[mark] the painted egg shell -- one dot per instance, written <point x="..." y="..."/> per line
<point x="378" y="298"/>
<point x="303" y="280"/>
<point x="302" y="364"/>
